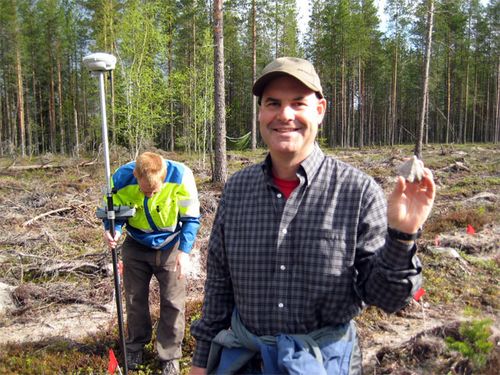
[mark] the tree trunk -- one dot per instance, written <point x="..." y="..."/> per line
<point x="497" y="106"/>
<point x="276" y="32"/>
<point x="20" y="102"/>
<point x="112" y="87"/>
<point x="488" y="130"/>
<point x="60" y="121"/>
<point x="448" y="97"/>
<point x="392" y="125"/>
<point x="351" y="111"/>
<point x="474" y="103"/>
<point x="205" y="114"/>
<point x="74" y="95"/>
<point x="361" y="105"/>
<point x="194" y="81"/>
<point x="52" y="110"/>
<point x="425" y="91"/>
<point x="466" y="110"/>
<point x="112" y="106"/>
<point x="343" y="104"/>
<point x="16" y="40"/>
<point x="169" y="85"/>
<point x="42" y="123"/>
<point x="10" y="131"/>
<point x="220" y="167"/>
<point x="2" y="123"/>
<point x="254" y="76"/>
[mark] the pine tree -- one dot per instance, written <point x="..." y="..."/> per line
<point x="219" y="173"/>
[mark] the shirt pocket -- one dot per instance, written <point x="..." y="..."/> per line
<point x="327" y="252"/>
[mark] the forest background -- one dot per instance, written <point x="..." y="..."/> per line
<point x="163" y="88"/>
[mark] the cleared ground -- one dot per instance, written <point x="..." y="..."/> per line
<point x="57" y="313"/>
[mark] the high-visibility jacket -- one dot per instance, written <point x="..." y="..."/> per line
<point x="170" y="215"/>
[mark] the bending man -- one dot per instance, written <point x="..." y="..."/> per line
<point x="159" y="238"/>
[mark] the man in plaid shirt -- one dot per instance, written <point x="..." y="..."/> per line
<point x="301" y="243"/>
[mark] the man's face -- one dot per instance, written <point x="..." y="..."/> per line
<point x="147" y="189"/>
<point x="289" y="116"/>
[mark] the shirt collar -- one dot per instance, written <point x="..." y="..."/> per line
<point x="308" y="168"/>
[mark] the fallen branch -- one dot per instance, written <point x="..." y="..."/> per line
<point x="34" y="166"/>
<point x="46" y="166"/>
<point x="19" y="241"/>
<point x="62" y="209"/>
<point x="73" y="267"/>
<point x="31" y="296"/>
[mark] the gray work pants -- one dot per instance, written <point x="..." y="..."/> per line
<point x="140" y="263"/>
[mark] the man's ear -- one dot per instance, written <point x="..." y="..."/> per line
<point x="321" y="108"/>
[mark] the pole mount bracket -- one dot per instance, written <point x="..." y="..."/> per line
<point x="121" y="212"/>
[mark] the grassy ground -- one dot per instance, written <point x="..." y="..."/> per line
<point x="414" y="340"/>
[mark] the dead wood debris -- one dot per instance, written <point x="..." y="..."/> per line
<point x="48" y="262"/>
<point x="457" y="166"/>
<point x="52" y="212"/>
<point x="30" y="295"/>
<point x="14" y="167"/>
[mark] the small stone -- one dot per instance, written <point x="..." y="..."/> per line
<point x="411" y="170"/>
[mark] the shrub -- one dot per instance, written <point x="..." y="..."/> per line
<point x="475" y="345"/>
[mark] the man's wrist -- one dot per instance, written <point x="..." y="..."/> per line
<point x="402" y="236"/>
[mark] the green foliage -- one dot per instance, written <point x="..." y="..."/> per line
<point x="322" y="142"/>
<point x="473" y="343"/>
<point x="163" y="82"/>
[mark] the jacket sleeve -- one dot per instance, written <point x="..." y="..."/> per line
<point x="388" y="271"/>
<point x="189" y="211"/>
<point x="218" y="303"/>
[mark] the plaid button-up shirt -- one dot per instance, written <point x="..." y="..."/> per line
<point x="298" y="264"/>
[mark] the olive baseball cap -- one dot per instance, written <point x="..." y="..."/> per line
<point x="295" y="67"/>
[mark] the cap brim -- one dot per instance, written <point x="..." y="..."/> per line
<point x="261" y="83"/>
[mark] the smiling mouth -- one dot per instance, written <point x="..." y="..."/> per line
<point x="285" y="130"/>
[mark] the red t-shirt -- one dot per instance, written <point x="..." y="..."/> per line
<point x="286" y="186"/>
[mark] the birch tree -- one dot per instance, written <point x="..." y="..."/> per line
<point x="425" y="89"/>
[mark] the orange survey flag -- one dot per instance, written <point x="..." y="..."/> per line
<point x="113" y="363"/>
<point x="418" y="294"/>
<point x="470" y="229"/>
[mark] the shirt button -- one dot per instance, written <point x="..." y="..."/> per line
<point x="282" y="267"/>
<point x="280" y="305"/>
<point x="285" y="231"/>
<point x="279" y="195"/>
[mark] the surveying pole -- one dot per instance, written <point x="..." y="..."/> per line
<point x="99" y="64"/>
